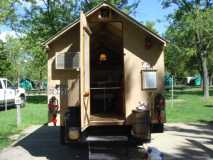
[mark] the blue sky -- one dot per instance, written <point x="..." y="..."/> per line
<point x="151" y="10"/>
<point x="148" y="10"/>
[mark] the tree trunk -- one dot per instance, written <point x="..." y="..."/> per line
<point x="210" y="79"/>
<point x="201" y="75"/>
<point x="40" y="80"/>
<point x="205" y="77"/>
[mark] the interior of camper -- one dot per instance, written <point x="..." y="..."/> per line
<point x="107" y="75"/>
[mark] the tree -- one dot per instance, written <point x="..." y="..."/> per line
<point x="151" y="26"/>
<point x="4" y="60"/>
<point x="14" y="50"/>
<point x="210" y="69"/>
<point x="192" y="23"/>
<point x="124" y="5"/>
<point x="178" y="58"/>
<point x="7" y="10"/>
<point x="36" y="21"/>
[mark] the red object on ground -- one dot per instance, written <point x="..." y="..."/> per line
<point x="52" y="106"/>
<point x="53" y="110"/>
<point x="54" y="120"/>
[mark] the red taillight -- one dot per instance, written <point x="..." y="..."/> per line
<point x="162" y="102"/>
<point x="146" y="156"/>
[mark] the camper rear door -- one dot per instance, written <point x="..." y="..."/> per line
<point x="85" y="33"/>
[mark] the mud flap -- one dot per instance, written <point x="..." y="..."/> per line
<point x="157" y="128"/>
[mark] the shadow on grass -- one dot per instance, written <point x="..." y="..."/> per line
<point x="208" y="106"/>
<point x="8" y="108"/>
<point x="38" y="99"/>
<point x="188" y="92"/>
<point x="210" y="122"/>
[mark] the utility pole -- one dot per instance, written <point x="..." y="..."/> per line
<point x="172" y="91"/>
<point x="5" y="96"/>
<point x="18" y="110"/>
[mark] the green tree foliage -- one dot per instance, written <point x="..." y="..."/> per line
<point x="7" y="10"/>
<point x="151" y="26"/>
<point x="124" y="5"/>
<point x="4" y="60"/>
<point x="190" y="34"/>
<point x="14" y="50"/>
<point x="36" y="21"/>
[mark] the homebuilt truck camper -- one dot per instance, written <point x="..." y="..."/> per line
<point x="106" y="71"/>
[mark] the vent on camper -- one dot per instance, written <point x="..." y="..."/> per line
<point x="105" y="13"/>
<point x="68" y="60"/>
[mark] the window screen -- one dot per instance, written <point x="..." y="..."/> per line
<point x="68" y="60"/>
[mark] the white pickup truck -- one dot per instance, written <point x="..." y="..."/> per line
<point x="8" y="93"/>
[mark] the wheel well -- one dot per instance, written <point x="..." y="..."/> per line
<point x="22" y="95"/>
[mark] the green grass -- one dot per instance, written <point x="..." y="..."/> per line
<point x="189" y="106"/>
<point x="35" y="112"/>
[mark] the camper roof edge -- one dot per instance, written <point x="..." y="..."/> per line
<point x="103" y="4"/>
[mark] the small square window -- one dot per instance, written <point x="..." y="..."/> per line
<point x="149" y="79"/>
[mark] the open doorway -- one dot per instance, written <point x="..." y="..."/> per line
<point x="107" y="77"/>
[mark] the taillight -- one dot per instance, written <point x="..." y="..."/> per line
<point x="162" y="102"/>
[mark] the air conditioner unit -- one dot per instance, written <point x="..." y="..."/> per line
<point x="69" y="60"/>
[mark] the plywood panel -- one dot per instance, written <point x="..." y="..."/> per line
<point x="66" y="78"/>
<point x="135" y="55"/>
<point x="85" y="71"/>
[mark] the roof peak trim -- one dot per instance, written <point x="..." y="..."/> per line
<point x="104" y="4"/>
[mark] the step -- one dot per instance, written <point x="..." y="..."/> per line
<point x="107" y="131"/>
<point x="107" y="139"/>
<point x="107" y="147"/>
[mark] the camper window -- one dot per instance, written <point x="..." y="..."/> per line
<point x="149" y="79"/>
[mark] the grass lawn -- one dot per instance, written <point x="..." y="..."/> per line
<point x="35" y="112"/>
<point x="189" y="106"/>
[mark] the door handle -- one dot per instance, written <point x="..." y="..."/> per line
<point x="86" y="94"/>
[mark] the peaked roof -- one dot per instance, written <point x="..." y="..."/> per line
<point x="121" y="13"/>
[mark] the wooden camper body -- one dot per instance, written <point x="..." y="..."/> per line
<point x="122" y="40"/>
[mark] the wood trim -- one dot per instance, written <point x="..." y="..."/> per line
<point x="106" y="123"/>
<point x="88" y="30"/>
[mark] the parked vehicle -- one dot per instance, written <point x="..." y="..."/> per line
<point x="8" y="93"/>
